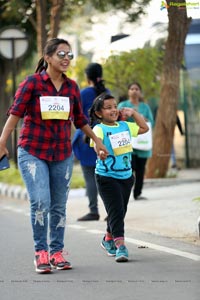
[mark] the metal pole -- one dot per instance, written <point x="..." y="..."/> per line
<point x="182" y="92"/>
<point x="14" y="144"/>
<point x="11" y="37"/>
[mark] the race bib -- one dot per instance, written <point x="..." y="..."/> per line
<point x="121" y="143"/>
<point x="54" y="107"/>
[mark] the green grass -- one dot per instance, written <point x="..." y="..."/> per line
<point x="77" y="177"/>
<point x="196" y="199"/>
<point x="12" y="176"/>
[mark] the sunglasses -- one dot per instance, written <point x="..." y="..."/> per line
<point x="62" y="54"/>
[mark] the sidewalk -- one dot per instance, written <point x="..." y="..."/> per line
<point x="170" y="210"/>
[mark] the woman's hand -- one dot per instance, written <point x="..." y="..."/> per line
<point x="3" y="150"/>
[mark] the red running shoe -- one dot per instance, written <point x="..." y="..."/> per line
<point x="58" y="262"/>
<point x="41" y="262"/>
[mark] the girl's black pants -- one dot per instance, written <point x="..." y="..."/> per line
<point x="115" y="194"/>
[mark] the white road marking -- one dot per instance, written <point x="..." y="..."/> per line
<point x="146" y="244"/>
<point x="164" y="249"/>
<point x="76" y="226"/>
<point x="95" y="231"/>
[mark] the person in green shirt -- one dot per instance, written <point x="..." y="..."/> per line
<point x="139" y="157"/>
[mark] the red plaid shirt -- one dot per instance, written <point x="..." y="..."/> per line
<point x="46" y="139"/>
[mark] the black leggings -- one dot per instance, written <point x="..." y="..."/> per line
<point x="138" y="166"/>
<point x="115" y="194"/>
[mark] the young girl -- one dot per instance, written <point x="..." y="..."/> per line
<point x="113" y="171"/>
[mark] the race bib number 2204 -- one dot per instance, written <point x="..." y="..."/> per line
<point x="54" y="107"/>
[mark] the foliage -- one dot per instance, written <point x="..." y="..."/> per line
<point x="22" y="14"/>
<point x="142" y="65"/>
<point x="19" y="14"/>
<point x="76" y="71"/>
<point x="132" y="8"/>
<point x="196" y="199"/>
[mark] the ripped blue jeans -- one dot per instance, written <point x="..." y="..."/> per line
<point x="47" y="183"/>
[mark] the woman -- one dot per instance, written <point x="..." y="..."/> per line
<point x="139" y="157"/>
<point x="48" y="101"/>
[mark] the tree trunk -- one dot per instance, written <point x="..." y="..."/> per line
<point x="178" y="25"/>
<point x="41" y="13"/>
<point x="42" y="21"/>
<point x="55" y="15"/>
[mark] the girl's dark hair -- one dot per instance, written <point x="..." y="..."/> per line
<point x="94" y="73"/>
<point x="97" y="105"/>
<point x="49" y="49"/>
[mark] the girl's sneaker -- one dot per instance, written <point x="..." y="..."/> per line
<point x="121" y="254"/>
<point x="41" y="262"/>
<point x="109" y="246"/>
<point x="58" y="262"/>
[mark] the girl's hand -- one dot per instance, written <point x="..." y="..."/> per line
<point x="101" y="150"/>
<point x="126" y="112"/>
<point x="102" y="155"/>
<point x="122" y="114"/>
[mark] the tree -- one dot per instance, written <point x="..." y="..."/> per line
<point x="137" y="68"/>
<point x="166" y="116"/>
<point x="177" y="30"/>
<point x="41" y="20"/>
<point x="12" y="14"/>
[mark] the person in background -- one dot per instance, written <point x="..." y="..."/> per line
<point x="139" y="157"/>
<point x="83" y="152"/>
<point x="173" y="153"/>
<point x="48" y="101"/>
<point x="113" y="171"/>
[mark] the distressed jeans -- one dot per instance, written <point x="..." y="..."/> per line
<point x="47" y="183"/>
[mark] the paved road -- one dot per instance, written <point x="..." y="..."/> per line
<point x="161" y="268"/>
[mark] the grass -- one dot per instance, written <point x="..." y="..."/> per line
<point x="77" y="177"/>
<point x="196" y="199"/>
<point x="12" y="176"/>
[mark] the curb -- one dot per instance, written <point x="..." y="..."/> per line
<point x="148" y="182"/>
<point x="13" y="191"/>
<point x="20" y="193"/>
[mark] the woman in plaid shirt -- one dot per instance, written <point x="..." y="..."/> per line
<point x="48" y="101"/>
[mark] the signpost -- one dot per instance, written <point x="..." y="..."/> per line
<point x="13" y="45"/>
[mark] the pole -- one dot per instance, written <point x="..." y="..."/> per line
<point x="184" y="101"/>
<point x="13" y="45"/>
<point x="14" y="141"/>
